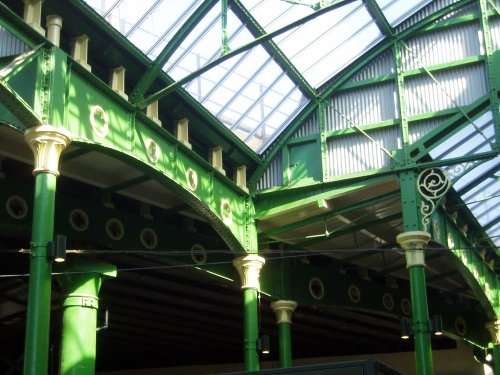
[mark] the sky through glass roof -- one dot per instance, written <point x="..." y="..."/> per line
<point x="254" y="94"/>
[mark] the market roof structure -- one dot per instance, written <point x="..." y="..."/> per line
<point x="309" y="138"/>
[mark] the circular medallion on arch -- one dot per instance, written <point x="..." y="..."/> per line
<point x="149" y="238"/>
<point x="115" y="229"/>
<point x="192" y="179"/>
<point x="388" y="301"/>
<point x="79" y="220"/>
<point x="16" y="207"/>
<point x="226" y="212"/>
<point x="99" y="121"/>
<point x="460" y="326"/>
<point x="152" y="151"/>
<point x="198" y="254"/>
<point x="316" y="288"/>
<point x="354" y="293"/>
<point x="406" y="306"/>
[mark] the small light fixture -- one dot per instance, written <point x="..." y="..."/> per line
<point x="406" y="328"/>
<point x="56" y="250"/>
<point x="264" y="344"/>
<point x="436" y="325"/>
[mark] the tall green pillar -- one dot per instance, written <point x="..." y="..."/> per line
<point x="494" y="329"/>
<point x="81" y="282"/>
<point x="413" y="244"/>
<point x="283" y="310"/>
<point x="47" y="143"/>
<point x="249" y="267"/>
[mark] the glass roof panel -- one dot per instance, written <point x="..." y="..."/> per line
<point x="396" y="11"/>
<point x="483" y="196"/>
<point x="252" y="93"/>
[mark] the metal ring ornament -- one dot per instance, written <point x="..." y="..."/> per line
<point x="226" y="212"/>
<point x="198" y="254"/>
<point x="16" y="207"/>
<point x="316" y="288"/>
<point x="149" y="238"/>
<point x="152" y="151"/>
<point x="115" y="229"/>
<point x="406" y="306"/>
<point x="192" y="179"/>
<point x="79" y="220"/>
<point x="460" y="326"/>
<point x="354" y="293"/>
<point x="388" y="301"/>
<point x="97" y="110"/>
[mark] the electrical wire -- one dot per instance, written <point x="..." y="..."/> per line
<point x="178" y="266"/>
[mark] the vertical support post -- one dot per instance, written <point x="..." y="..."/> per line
<point x="47" y="143"/>
<point x="494" y="329"/>
<point x="33" y="14"/>
<point x="79" y="50"/>
<point x="117" y="80"/>
<point x="283" y="310"/>
<point x="152" y="112"/>
<point x="491" y="67"/>
<point x="413" y="244"/>
<point x="182" y="132"/>
<point x="81" y="284"/>
<point x="225" y="47"/>
<point x="322" y="140"/>
<point x="403" y="115"/>
<point x="249" y="267"/>
<point x="54" y="25"/>
<point x="240" y="177"/>
<point x="215" y="159"/>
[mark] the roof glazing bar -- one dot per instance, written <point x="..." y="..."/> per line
<point x="156" y="66"/>
<point x="379" y="17"/>
<point x="271" y="47"/>
<point x="144" y="17"/>
<point x="174" y="86"/>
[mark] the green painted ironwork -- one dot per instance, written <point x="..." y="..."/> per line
<point x="420" y="312"/>
<point x="36" y="353"/>
<point x="491" y="68"/>
<point x="225" y="44"/>
<point x="403" y="115"/>
<point x="80" y="283"/>
<point x="250" y="328"/>
<point x="285" y="344"/>
<point x="343" y="79"/>
<point x="382" y="22"/>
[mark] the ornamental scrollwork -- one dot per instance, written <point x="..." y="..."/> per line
<point x="433" y="183"/>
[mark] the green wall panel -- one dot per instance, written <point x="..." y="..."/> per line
<point x="94" y="117"/>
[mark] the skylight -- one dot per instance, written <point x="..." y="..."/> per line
<point x="258" y="92"/>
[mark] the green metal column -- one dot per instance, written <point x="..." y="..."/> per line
<point x="249" y="270"/>
<point x="413" y="243"/>
<point x="81" y="283"/>
<point x="46" y="143"/>
<point x="283" y="310"/>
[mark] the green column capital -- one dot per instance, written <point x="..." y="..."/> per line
<point x="47" y="142"/>
<point x="494" y="330"/>
<point x="249" y="267"/>
<point x="283" y="310"/>
<point x="413" y="243"/>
